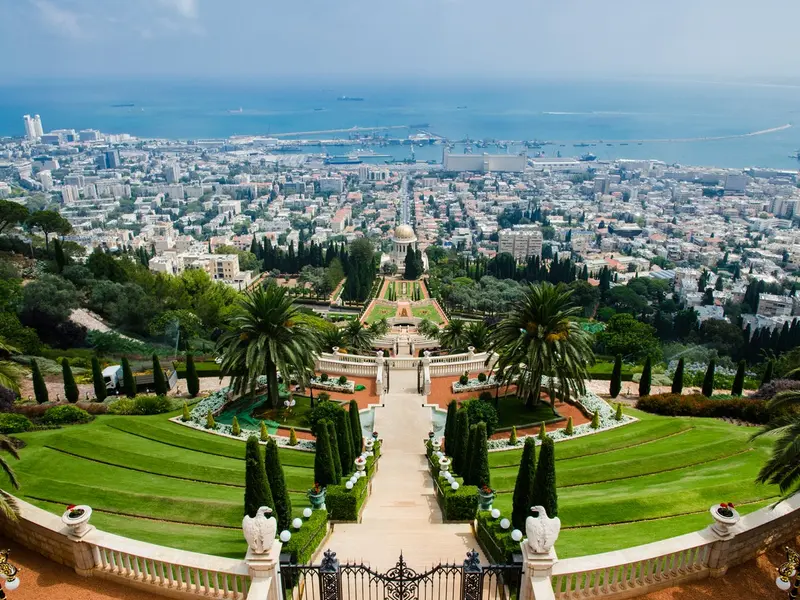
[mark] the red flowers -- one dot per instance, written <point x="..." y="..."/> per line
<point x="70" y="506"/>
<point x="726" y="505"/>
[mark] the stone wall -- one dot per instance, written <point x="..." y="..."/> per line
<point x="42" y="532"/>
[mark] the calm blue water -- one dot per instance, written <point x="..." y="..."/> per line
<point x="545" y="111"/>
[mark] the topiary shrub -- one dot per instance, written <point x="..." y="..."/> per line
<point x="235" y="429"/>
<point x="186" y="416"/>
<point x="512" y="439"/>
<point x="464" y="379"/>
<point x="355" y="427"/>
<point x="210" y="423"/>
<point x="618" y="415"/>
<point x="342" y="380"/>
<point x="192" y="380"/>
<point x="292" y="437"/>
<point x="543" y="431"/>
<point x="323" y="411"/>
<point x="70" y="387"/>
<point x="523" y="486"/>
<point x="13" y="423"/>
<point x="264" y="434"/>
<point x="480" y="411"/>
<point x="596" y="420"/>
<point x="570" y="427"/>
<point x="39" y="386"/>
<point x="485" y="396"/>
<point x="323" y="377"/>
<point x="324" y="397"/>
<point x="482" y="377"/>
<point x="65" y="414"/>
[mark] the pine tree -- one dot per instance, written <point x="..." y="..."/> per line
<point x="708" y="380"/>
<point x="39" y="386"/>
<point x="192" y="381"/>
<point x="355" y="428"/>
<point x="235" y="428"/>
<point x="186" y="417"/>
<point x="159" y="381"/>
<point x="345" y="442"/>
<point x="324" y="471"/>
<point x="459" y="454"/>
<point x="479" y="468"/>
<point x="333" y="440"/>
<point x="677" y="378"/>
<point x="97" y="380"/>
<point x="542" y="431"/>
<point x="264" y="433"/>
<point x="647" y="376"/>
<point x="128" y="380"/>
<point x="277" y="485"/>
<point x="570" y="429"/>
<point x="523" y="488"/>
<point x="256" y="487"/>
<point x="768" y="373"/>
<point x="71" y="392"/>
<point x="58" y="252"/>
<point x="738" y="380"/>
<point x="616" y="377"/>
<point x="544" y="483"/>
<point x="450" y="424"/>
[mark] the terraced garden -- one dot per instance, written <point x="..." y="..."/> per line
<point x="646" y="481"/>
<point x="149" y="479"/>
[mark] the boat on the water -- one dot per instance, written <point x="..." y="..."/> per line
<point x="588" y="157"/>
<point x="342" y="160"/>
<point x="350" y="99"/>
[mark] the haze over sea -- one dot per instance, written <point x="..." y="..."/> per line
<point x="560" y="111"/>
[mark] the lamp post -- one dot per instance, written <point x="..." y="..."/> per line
<point x="788" y="572"/>
<point x="8" y="572"/>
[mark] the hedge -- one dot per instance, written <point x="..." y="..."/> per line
<point x="204" y="369"/>
<point x="456" y="505"/>
<point x="141" y="405"/>
<point x="14" y="423"/>
<point x="495" y="541"/>
<point x="305" y="540"/>
<point x="66" y="414"/>
<point x="697" y="405"/>
<point x="344" y="504"/>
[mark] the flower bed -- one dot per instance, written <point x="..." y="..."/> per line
<point x="590" y="402"/>
<point x="474" y="385"/>
<point x="697" y="405"/>
<point x="333" y="385"/>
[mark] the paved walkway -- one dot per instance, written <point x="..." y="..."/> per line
<point x="402" y="513"/>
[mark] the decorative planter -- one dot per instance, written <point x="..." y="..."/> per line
<point x="76" y="518"/>
<point x="485" y="500"/>
<point x="361" y="463"/>
<point x="437" y="444"/>
<point x="369" y="443"/>
<point x="317" y="499"/>
<point x="444" y="465"/>
<point x="723" y="523"/>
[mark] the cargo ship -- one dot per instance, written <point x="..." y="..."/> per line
<point x="342" y="160"/>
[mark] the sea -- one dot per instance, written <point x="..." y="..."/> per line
<point x="700" y="123"/>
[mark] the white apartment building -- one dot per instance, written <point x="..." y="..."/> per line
<point x="521" y="242"/>
<point x="773" y="305"/>
<point x="334" y="185"/>
<point x="70" y="194"/>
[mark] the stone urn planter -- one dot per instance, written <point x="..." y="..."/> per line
<point x="485" y="498"/>
<point x="76" y="518"/>
<point x="361" y="463"/>
<point x="317" y="498"/>
<point x="437" y="444"/>
<point x="725" y="517"/>
<point x="444" y="465"/>
<point x="369" y="444"/>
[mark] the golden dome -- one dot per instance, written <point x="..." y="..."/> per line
<point x="404" y="232"/>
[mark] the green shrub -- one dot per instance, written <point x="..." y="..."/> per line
<point x="596" y="420"/>
<point x="523" y="486"/>
<point x="544" y="482"/>
<point x="342" y="380"/>
<point x="324" y="469"/>
<point x="616" y="377"/>
<point x="277" y="485"/>
<point x="65" y="414"/>
<point x="70" y="387"/>
<point x="210" y="423"/>
<point x="482" y="377"/>
<point x="264" y="433"/>
<point x="256" y="487"/>
<point x="235" y="429"/>
<point x="151" y="405"/>
<point x="677" y="378"/>
<point x="123" y="406"/>
<point x="708" y="379"/>
<point x="461" y="504"/>
<point x="292" y="437"/>
<point x="464" y="379"/>
<point x="461" y="436"/>
<point x="512" y="439"/>
<point x="305" y="541"/>
<point x="192" y="378"/>
<point x="186" y="415"/>
<point x="485" y="396"/>
<point x="482" y="412"/>
<point x="159" y="381"/>
<point x="697" y="405"/>
<point x="98" y="382"/>
<point x="355" y="427"/>
<point x="495" y="541"/>
<point x="344" y="504"/>
<point x="543" y="431"/>
<point x="323" y="377"/>
<point x="323" y="411"/>
<point x="39" y="387"/>
<point x="570" y="427"/>
<point x="618" y="415"/>
<point x="479" y="466"/>
<point x="14" y="423"/>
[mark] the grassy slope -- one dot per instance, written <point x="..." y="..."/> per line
<point x="150" y="479"/>
<point x="670" y="470"/>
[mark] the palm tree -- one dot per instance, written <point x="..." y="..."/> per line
<point x="8" y="505"/>
<point x="358" y="337"/>
<point x="537" y="338"/>
<point x="267" y="333"/>
<point x="428" y="329"/>
<point x="9" y="372"/>
<point x="380" y="327"/>
<point x="783" y="467"/>
<point x="454" y="336"/>
<point x="333" y="337"/>
<point x="477" y="335"/>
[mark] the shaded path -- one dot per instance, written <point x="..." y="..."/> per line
<point x="402" y="513"/>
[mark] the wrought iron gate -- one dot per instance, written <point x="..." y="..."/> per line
<point x="333" y="581"/>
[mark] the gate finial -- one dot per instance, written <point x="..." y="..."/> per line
<point x="472" y="564"/>
<point x="329" y="564"/>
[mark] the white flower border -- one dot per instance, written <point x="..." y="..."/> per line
<point x="591" y="402"/>
<point x="473" y="385"/>
<point x="333" y="385"/>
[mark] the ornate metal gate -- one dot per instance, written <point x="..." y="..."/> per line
<point x="333" y="581"/>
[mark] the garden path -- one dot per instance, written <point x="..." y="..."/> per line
<point x="402" y="513"/>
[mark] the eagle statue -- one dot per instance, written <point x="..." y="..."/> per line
<point x="542" y="531"/>
<point x="259" y="531"/>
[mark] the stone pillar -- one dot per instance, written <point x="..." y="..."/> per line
<point x="426" y="368"/>
<point x="82" y="551"/>
<point x="536" y="569"/>
<point x="265" y="581"/>
<point x="471" y="352"/>
<point x="379" y="360"/>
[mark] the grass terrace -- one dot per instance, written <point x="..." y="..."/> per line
<point x="151" y="480"/>
<point x="380" y="311"/>
<point x="646" y="481"/>
<point x="427" y="312"/>
<point x="511" y="410"/>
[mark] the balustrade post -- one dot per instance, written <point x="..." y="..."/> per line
<point x="330" y="578"/>
<point x="265" y="573"/>
<point x="723" y="532"/>
<point x="77" y="524"/>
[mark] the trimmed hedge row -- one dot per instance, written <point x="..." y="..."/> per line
<point x="204" y="369"/>
<point x="697" y="405"/>
<point x="495" y="541"/>
<point x="305" y="540"/>
<point x="456" y="505"/>
<point x="344" y="504"/>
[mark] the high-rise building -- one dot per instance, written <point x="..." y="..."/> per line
<point x="521" y="242"/>
<point x="30" y="130"/>
<point x="37" y="126"/>
<point x="46" y="179"/>
<point x="89" y="135"/>
<point x="109" y="160"/>
<point x="70" y="194"/>
<point x="172" y="173"/>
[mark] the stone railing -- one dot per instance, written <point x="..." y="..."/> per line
<point x="153" y="569"/>
<point x="347" y="364"/>
<point x="643" y="569"/>
<point x="456" y="364"/>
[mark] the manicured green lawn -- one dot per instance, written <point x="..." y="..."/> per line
<point x="296" y="417"/>
<point x="647" y="481"/>
<point x="427" y="312"/>
<point x="150" y="479"/>
<point x="381" y="311"/>
<point x="512" y="411"/>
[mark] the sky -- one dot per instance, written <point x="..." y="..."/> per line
<point x="402" y="39"/>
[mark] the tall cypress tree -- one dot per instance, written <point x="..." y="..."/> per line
<point x="544" y="483"/>
<point x="98" y="381"/>
<point x="738" y="380"/>
<point x="324" y="471"/>
<point x="480" y="475"/>
<point x="256" y="488"/>
<point x="192" y="380"/>
<point x="345" y="442"/>
<point x="523" y="488"/>
<point x="461" y="440"/>
<point x="768" y="373"/>
<point x="708" y="380"/>
<point x="58" y="252"/>
<point x="450" y="424"/>
<point x="70" y="387"/>
<point x="355" y="428"/>
<point x="470" y="455"/>
<point x="277" y="485"/>
<point x="159" y="382"/>
<point x="39" y="387"/>
<point x="677" y="378"/>
<point x="647" y="377"/>
<point x="616" y="377"/>
<point x="128" y="381"/>
<point x="334" y="442"/>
